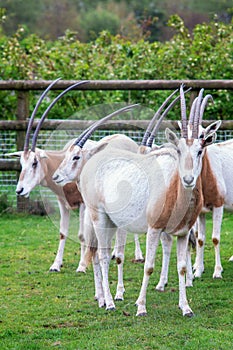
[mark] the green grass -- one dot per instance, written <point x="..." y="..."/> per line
<point x="42" y="310"/>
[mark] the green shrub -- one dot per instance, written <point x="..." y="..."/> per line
<point x="207" y="54"/>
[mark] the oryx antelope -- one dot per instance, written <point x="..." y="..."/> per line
<point x="37" y="169"/>
<point x="217" y="187"/>
<point x="76" y="157"/>
<point x="217" y="191"/>
<point x="196" y="113"/>
<point x="159" y="191"/>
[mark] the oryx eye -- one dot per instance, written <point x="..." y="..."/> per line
<point x="34" y="164"/>
<point x="76" y="158"/>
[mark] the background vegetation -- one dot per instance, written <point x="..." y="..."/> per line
<point x="42" y="310"/>
<point x="45" y="40"/>
<point x="89" y="17"/>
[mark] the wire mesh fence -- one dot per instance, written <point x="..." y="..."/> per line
<point x="55" y="140"/>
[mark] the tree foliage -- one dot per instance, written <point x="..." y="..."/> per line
<point x="50" y="19"/>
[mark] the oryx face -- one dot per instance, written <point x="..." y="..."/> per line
<point x="31" y="174"/>
<point x="190" y="153"/>
<point x="71" y="166"/>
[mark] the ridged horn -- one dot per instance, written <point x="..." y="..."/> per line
<point x="35" y="136"/>
<point x="81" y="140"/>
<point x="156" y="127"/>
<point x="197" y="115"/>
<point x="30" y="123"/>
<point x="192" y="113"/>
<point x="184" y="128"/>
<point x="203" y="105"/>
<point x="155" y="117"/>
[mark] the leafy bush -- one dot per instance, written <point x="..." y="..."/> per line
<point x="207" y="54"/>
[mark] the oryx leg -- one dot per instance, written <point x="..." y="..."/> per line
<point x="152" y="241"/>
<point x="166" y="241"/>
<point x="217" y="222"/>
<point x="138" y="256"/>
<point x="199" y="261"/>
<point x="91" y="255"/>
<point x="191" y="243"/>
<point x="64" y="227"/>
<point x="104" y="230"/>
<point x="231" y="258"/>
<point x="120" y="257"/>
<point x="82" y="266"/>
<point x="182" y="247"/>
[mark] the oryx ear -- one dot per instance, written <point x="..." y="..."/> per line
<point x="171" y="137"/>
<point x="96" y="149"/>
<point x="213" y="127"/>
<point x="16" y="154"/>
<point x="179" y="124"/>
<point x="210" y="135"/>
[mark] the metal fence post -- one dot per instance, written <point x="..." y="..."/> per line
<point x="22" y="114"/>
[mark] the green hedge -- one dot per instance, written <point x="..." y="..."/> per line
<point x="206" y="54"/>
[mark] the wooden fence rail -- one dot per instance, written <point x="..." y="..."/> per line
<point x="22" y="87"/>
<point x="26" y="85"/>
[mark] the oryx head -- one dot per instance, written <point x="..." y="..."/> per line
<point x="191" y="145"/>
<point x="77" y="155"/>
<point x="33" y="171"/>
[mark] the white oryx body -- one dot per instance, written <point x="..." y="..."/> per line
<point x="71" y="167"/>
<point x="160" y="191"/>
<point x="218" y="194"/>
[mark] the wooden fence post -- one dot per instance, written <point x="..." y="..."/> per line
<point x="22" y="114"/>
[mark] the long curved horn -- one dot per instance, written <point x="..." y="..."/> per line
<point x="30" y="123"/>
<point x="184" y="129"/>
<point x="203" y="105"/>
<point x="156" y="127"/>
<point x="88" y="132"/>
<point x="192" y="113"/>
<point x="155" y="117"/>
<point x="35" y="136"/>
<point x="197" y="115"/>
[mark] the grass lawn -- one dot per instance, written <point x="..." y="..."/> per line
<point x="42" y="310"/>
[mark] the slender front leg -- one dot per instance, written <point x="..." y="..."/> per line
<point x="152" y="241"/>
<point x="199" y="261"/>
<point x="104" y="231"/>
<point x="191" y="244"/>
<point x="82" y="266"/>
<point x="166" y="241"/>
<point x="138" y="257"/>
<point x="99" y="292"/>
<point x="217" y="223"/>
<point x="91" y="255"/>
<point x="64" y="226"/>
<point x="120" y="257"/>
<point x="182" y="246"/>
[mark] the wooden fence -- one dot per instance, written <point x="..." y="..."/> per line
<point x="23" y="87"/>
